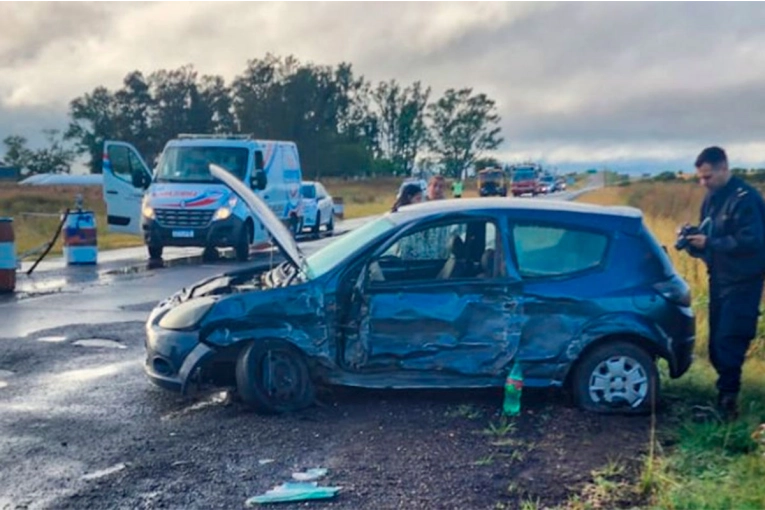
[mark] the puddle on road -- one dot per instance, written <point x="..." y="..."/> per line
<point x="4" y="374"/>
<point x="104" y="472"/>
<point x="99" y="342"/>
<point x="88" y="374"/>
<point x="52" y="339"/>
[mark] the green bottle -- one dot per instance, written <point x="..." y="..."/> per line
<point x="513" y="388"/>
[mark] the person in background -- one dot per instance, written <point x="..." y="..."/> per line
<point x="436" y="188"/>
<point x="733" y="250"/>
<point x="457" y="188"/>
<point x="410" y="194"/>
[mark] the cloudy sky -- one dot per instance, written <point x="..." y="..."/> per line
<point x="631" y="86"/>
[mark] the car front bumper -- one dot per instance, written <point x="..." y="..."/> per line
<point x="173" y="357"/>
<point x="219" y="233"/>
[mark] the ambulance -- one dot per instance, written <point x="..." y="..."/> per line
<point x="180" y="203"/>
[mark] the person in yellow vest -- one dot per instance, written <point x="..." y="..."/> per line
<point x="457" y="188"/>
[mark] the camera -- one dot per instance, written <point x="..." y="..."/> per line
<point x="690" y="230"/>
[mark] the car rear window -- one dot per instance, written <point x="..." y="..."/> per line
<point x="544" y="251"/>
<point x="654" y="260"/>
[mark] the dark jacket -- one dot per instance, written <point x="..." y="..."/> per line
<point x="735" y="250"/>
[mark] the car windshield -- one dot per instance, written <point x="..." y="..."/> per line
<point x="494" y="175"/>
<point x="308" y="191"/>
<point x="523" y="175"/>
<point x="191" y="164"/>
<point x="548" y="179"/>
<point x="340" y="249"/>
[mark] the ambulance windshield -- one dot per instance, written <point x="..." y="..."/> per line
<point x="191" y="164"/>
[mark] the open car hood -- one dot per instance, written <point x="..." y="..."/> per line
<point x="279" y="233"/>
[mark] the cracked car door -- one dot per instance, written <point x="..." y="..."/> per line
<point x="466" y="322"/>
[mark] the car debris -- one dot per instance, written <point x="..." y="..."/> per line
<point x="293" y="491"/>
<point x="104" y="472"/>
<point x="310" y="474"/>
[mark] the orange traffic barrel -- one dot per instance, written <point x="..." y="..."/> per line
<point x="80" y="239"/>
<point x="7" y="256"/>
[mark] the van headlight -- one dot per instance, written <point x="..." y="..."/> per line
<point x="147" y="210"/>
<point x="225" y="212"/>
<point x="187" y="314"/>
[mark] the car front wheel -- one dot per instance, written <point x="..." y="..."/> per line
<point x="273" y="377"/>
<point x="616" y="377"/>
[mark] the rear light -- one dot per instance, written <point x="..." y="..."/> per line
<point x="674" y="290"/>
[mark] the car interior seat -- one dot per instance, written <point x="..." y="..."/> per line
<point x="487" y="264"/>
<point x="454" y="265"/>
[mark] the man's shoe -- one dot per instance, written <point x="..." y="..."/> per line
<point x="726" y="404"/>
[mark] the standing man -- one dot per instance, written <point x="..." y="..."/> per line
<point x="733" y="248"/>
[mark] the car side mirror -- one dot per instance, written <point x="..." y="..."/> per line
<point x="259" y="180"/>
<point x="258" y="160"/>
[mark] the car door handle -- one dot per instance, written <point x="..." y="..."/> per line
<point x="111" y="192"/>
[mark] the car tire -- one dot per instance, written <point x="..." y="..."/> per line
<point x="331" y="224"/>
<point x="317" y="226"/>
<point x="242" y="247"/>
<point x="616" y="377"/>
<point x="210" y="254"/>
<point x="294" y="226"/>
<point x="256" y="367"/>
<point x="155" y="251"/>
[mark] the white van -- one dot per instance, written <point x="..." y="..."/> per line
<point x="181" y="204"/>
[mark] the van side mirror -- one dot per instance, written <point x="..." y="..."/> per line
<point x="258" y="160"/>
<point x="141" y="180"/>
<point x="259" y="180"/>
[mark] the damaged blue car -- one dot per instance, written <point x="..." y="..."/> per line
<point x="443" y="294"/>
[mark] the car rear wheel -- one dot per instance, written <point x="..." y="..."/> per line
<point x="616" y="377"/>
<point x="273" y="377"/>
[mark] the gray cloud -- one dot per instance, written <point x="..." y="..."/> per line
<point x="576" y="83"/>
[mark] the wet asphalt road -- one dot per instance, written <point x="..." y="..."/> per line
<point x="81" y="427"/>
<point x="70" y="411"/>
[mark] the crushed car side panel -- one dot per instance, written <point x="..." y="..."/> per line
<point x="473" y="330"/>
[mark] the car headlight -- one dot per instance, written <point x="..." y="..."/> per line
<point x="187" y="314"/>
<point x="224" y="212"/>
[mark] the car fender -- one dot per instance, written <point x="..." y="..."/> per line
<point x="619" y="324"/>
<point x="313" y="342"/>
<point x="625" y="325"/>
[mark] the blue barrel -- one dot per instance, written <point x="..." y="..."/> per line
<point x="80" y="239"/>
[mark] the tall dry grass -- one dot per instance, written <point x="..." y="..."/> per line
<point x="24" y="203"/>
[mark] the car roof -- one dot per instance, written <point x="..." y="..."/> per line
<point x="556" y="210"/>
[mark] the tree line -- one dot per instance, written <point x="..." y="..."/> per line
<point x="342" y="123"/>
